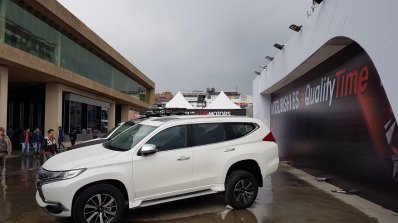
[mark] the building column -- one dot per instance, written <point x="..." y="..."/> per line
<point x="125" y="113"/>
<point x="112" y="116"/>
<point x="3" y="96"/>
<point x="53" y="108"/>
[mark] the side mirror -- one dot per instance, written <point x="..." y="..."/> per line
<point x="148" y="149"/>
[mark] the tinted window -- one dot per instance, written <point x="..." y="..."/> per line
<point x="171" y="138"/>
<point x="208" y="133"/>
<point x="240" y="129"/>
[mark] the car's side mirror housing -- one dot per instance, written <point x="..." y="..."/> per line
<point x="148" y="149"/>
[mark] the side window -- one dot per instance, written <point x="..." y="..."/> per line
<point x="208" y="133"/>
<point x="238" y="130"/>
<point x="171" y="138"/>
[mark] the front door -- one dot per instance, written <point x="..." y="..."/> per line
<point x="167" y="172"/>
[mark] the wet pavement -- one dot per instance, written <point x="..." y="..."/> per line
<point x="284" y="198"/>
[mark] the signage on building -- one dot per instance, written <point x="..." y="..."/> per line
<point x="338" y="116"/>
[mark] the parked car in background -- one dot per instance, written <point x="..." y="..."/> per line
<point x="108" y="136"/>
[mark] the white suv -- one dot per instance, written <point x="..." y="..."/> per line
<point x="159" y="160"/>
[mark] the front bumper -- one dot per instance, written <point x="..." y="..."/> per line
<point x="52" y="207"/>
<point x="51" y="197"/>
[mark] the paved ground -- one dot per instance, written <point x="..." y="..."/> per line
<point x="284" y="198"/>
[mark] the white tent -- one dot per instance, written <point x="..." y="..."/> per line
<point x="222" y="102"/>
<point x="179" y="101"/>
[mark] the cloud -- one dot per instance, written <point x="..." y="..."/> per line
<point x="186" y="45"/>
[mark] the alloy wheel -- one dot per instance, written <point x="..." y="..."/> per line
<point x="100" y="208"/>
<point x="243" y="191"/>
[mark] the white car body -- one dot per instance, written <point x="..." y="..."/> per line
<point x="160" y="177"/>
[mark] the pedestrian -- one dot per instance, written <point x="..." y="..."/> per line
<point x="61" y="136"/>
<point x="73" y="137"/>
<point x="37" y="141"/>
<point x="5" y="149"/>
<point x="95" y="133"/>
<point x="10" y="132"/>
<point x="50" y="144"/>
<point x="26" y="139"/>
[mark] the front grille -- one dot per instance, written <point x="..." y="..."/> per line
<point x="41" y="176"/>
<point x="38" y="187"/>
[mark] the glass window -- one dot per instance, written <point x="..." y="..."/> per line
<point x="171" y="138"/>
<point x="129" y="138"/>
<point x="240" y="129"/>
<point x="75" y="116"/>
<point x="208" y="133"/>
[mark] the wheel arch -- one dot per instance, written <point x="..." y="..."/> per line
<point x="116" y="183"/>
<point x="248" y="165"/>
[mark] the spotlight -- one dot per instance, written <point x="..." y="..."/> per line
<point x="264" y="67"/>
<point x="295" y="27"/>
<point x="318" y="1"/>
<point x="257" y="72"/>
<point x="278" y="46"/>
<point x="269" y="58"/>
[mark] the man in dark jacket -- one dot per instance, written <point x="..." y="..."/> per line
<point x="73" y="137"/>
<point x="37" y="141"/>
<point x="50" y="144"/>
<point x="61" y="136"/>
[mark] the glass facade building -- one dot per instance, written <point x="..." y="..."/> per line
<point x="23" y="30"/>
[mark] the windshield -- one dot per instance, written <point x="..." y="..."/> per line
<point x="129" y="138"/>
<point x="119" y="129"/>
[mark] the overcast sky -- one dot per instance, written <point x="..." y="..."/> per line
<point x="185" y="45"/>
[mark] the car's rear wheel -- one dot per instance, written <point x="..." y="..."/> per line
<point x="102" y="203"/>
<point x="241" y="189"/>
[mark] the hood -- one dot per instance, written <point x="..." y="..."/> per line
<point x="75" y="158"/>
<point x="88" y="143"/>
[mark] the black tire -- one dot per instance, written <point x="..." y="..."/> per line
<point x="99" y="201"/>
<point x="241" y="189"/>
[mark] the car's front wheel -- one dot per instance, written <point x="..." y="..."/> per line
<point x="241" y="189"/>
<point x="101" y="203"/>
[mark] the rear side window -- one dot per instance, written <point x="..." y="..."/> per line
<point x="208" y="133"/>
<point x="237" y="130"/>
<point x="171" y="138"/>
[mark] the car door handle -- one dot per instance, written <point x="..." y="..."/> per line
<point x="229" y="150"/>
<point x="182" y="158"/>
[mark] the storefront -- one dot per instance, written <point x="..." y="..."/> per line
<point x="84" y="114"/>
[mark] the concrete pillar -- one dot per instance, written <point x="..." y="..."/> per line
<point x="3" y="96"/>
<point x="151" y="96"/>
<point x="53" y="107"/>
<point x="125" y="113"/>
<point x="112" y="116"/>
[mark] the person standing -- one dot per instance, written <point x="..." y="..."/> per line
<point x="61" y="136"/>
<point x="37" y="141"/>
<point x="26" y="139"/>
<point x="95" y="133"/>
<point x="5" y="149"/>
<point x="73" y="137"/>
<point x="50" y="144"/>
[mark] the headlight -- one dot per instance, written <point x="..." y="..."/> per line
<point x="45" y="175"/>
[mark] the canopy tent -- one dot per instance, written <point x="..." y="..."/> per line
<point x="222" y="102"/>
<point x="179" y="101"/>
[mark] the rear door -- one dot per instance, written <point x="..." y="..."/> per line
<point x="214" y="145"/>
<point x="210" y="152"/>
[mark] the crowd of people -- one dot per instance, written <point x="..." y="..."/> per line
<point x="24" y="140"/>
